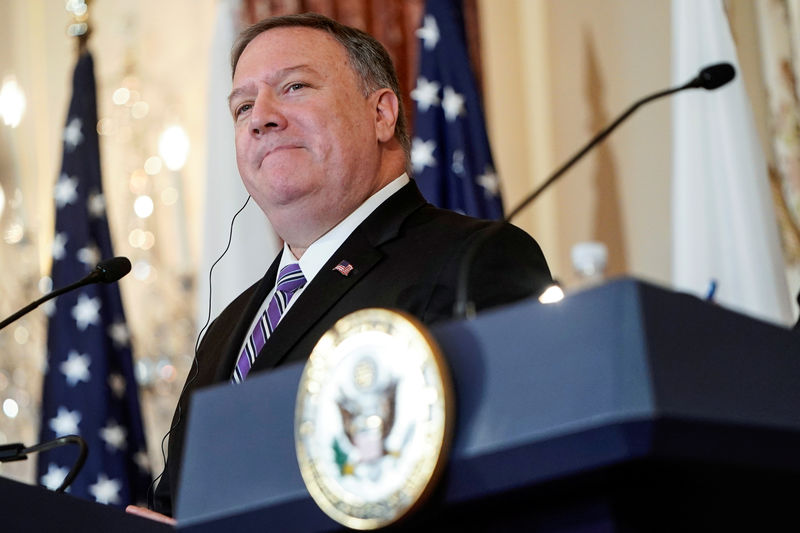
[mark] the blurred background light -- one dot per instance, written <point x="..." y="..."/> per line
<point x="121" y="96"/>
<point x="10" y="408"/>
<point x="153" y="165"/>
<point x="173" y="146"/>
<point x="12" y="102"/>
<point x="552" y="294"/>
<point x="143" y="206"/>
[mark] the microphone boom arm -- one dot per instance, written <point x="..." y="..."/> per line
<point x="30" y="307"/>
<point x="107" y="271"/>
<point x="710" y="78"/>
<point x="596" y="140"/>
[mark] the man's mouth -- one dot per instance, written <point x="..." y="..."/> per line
<point x="281" y="148"/>
<point x="278" y="149"/>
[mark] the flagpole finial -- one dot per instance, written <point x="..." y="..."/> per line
<point x="79" y="25"/>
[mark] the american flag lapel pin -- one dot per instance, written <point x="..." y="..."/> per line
<point x="344" y="268"/>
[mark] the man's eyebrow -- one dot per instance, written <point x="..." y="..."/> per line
<point x="235" y="94"/>
<point x="273" y="78"/>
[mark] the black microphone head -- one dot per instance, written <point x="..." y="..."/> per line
<point x="715" y="76"/>
<point x="110" y="270"/>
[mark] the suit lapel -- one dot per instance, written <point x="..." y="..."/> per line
<point x="361" y="249"/>
<point x="323" y="292"/>
<point x="242" y="328"/>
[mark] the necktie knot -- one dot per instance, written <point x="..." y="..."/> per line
<point x="290" y="279"/>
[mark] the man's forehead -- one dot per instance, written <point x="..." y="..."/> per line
<point x="292" y="44"/>
<point x="279" y="52"/>
<point x="278" y="74"/>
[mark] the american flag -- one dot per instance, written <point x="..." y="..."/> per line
<point x="89" y="387"/>
<point x="450" y="153"/>
<point x="344" y="268"/>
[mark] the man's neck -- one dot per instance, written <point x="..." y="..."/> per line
<point x="345" y="226"/>
<point x="297" y="251"/>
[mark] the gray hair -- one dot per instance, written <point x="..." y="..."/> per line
<point x="367" y="57"/>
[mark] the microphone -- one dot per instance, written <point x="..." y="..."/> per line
<point x="713" y="77"/>
<point x="110" y="270"/>
<point x="709" y="78"/>
<point x="106" y="271"/>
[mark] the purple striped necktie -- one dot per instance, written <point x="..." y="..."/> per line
<point x="290" y="279"/>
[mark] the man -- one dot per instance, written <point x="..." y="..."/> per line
<point x="322" y="147"/>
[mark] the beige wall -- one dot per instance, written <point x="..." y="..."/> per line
<point x="555" y="73"/>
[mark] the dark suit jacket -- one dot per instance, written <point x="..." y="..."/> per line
<point x="406" y="255"/>
<point x="797" y="326"/>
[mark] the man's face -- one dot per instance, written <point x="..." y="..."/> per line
<point x="306" y="140"/>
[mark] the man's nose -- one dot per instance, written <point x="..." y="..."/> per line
<point x="266" y="114"/>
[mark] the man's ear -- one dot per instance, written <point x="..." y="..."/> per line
<point x="386" y="110"/>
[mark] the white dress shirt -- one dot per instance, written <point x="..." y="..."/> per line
<point x="318" y="253"/>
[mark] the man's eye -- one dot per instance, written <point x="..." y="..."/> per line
<point x="295" y="87"/>
<point x="241" y="109"/>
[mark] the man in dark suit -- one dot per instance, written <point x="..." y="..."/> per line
<point x="322" y="147"/>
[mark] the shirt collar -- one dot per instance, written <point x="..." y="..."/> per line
<point x="323" y="248"/>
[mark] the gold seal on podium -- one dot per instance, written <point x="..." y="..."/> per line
<point x="373" y="418"/>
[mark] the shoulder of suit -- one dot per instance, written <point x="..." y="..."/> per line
<point x="430" y="214"/>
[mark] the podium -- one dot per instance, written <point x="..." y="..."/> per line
<point x="26" y="508"/>
<point x="625" y="407"/>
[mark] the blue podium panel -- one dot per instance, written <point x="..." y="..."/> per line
<point x="581" y="384"/>
<point x="29" y="509"/>
<point x="627" y="382"/>
<point x="239" y="458"/>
